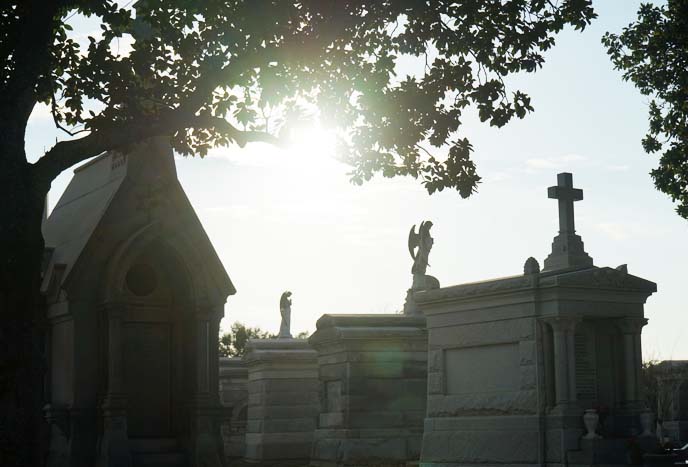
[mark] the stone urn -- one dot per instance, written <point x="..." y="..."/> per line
<point x="647" y="421"/>
<point x="591" y="420"/>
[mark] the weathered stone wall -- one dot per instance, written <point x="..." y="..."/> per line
<point x="482" y="385"/>
<point x="373" y="376"/>
<point x="234" y="397"/>
<point x="283" y="401"/>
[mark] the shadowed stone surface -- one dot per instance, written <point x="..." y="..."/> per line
<point x="372" y="371"/>
<point x="283" y="401"/>
<point x="234" y="396"/>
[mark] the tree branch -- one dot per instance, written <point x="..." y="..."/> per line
<point x="67" y="153"/>
<point x="168" y="121"/>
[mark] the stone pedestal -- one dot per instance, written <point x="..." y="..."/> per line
<point x="373" y="376"/>
<point x="283" y="401"/>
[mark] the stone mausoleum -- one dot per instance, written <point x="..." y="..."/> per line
<point x="518" y="365"/>
<point x="135" y="293"/>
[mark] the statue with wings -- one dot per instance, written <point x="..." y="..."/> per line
<point x="419" y="245"/>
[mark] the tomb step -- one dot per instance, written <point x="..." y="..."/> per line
<point x="153" y="445"/>
<point x="158" y="459"/>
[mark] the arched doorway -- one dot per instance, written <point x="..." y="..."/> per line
<point x="154" y="341"/>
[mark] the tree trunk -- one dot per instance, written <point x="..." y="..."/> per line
<point x="21" y="314"/>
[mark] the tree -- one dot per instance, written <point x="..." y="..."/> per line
<point x="659" y="382"/>
<point x="233" y="343"/>
<point x="220" y="72"/>
<point x="303" y="335"/>
<point x="652" y="52"/>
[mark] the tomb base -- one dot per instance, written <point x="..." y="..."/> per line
<point x="472" y="440"/>
<point x="205" y="440"/>
<point x="676" y="431"/>
<point x="373" y="372"/>
<point x="114" y="444"/>
<point x="233" y="395"/>
<point x="283" y="401"/>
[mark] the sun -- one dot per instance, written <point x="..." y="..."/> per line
<point x="312" y="145"/>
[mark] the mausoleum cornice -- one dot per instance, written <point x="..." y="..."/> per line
<point x="563" y="283"/>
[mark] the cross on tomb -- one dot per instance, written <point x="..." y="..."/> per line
<point x="567" y="195"/>
<point x="567" y="247"/>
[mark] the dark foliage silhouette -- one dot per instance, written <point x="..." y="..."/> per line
<point x="652" y="52"/>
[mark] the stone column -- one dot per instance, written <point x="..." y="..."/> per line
<point x="114" y="445"/>
<point x="58" y="447"/>
<point x="205" y="406"/>
<point x="631" y="328"/>
<point x="563" y="331"/>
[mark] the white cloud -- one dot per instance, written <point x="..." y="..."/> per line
<point x="613" y="230"/>
<point x="624" y="231"/>
<point x="617" y="168"/>
<point x="555" y="162"/>
<point x="499" y="177"/>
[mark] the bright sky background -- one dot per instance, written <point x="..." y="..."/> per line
<point x="290" y="220"/>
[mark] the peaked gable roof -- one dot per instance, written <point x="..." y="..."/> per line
<point x="103" y="186"/>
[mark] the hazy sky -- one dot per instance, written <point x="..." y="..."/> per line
<point x="290" y="220"/>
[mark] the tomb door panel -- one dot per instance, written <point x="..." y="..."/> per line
<point x="147" y="378"/>
<point x="607" y="381"/>
<point x="586" y="366"/>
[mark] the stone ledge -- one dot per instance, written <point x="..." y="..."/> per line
<point x="278" y="344"/>
<point x="589" y="278"/>
<point x="369" y="320"/>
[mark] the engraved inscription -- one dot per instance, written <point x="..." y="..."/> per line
<point x="487" y="368"/>
<point x="586" y="374"/>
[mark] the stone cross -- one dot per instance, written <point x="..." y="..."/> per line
<point x="566" y="194"/>
<point x="567" y="247"/>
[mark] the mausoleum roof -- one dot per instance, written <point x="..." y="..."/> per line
<point x="78" y="211"/>
<point x="120" y="195"/>
<point x="599" y="278"/>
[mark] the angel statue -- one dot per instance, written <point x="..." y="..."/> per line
<point x="419" y="245"/>
<point x="285" y="311"/>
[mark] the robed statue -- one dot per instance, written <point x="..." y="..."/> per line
<point x="285" y="311"/>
